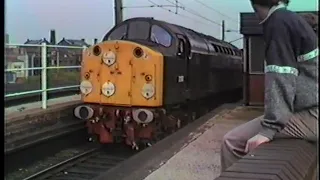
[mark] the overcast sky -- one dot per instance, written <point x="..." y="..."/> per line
<point x="89" y="19"/>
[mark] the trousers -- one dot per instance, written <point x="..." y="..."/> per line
<point x="302" y="125"/>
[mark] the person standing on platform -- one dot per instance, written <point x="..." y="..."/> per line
<point x="291" y="83"/>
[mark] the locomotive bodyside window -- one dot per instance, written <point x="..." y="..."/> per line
<point x="228" y="52"/>
<point x="232" y="52"/>
<point x="211" y="47"/>
<point x="224" y="50"/>
<point x="216" y="49"/>
<point x="118" y="33"/>
<point x="221" y="49"/>
<point x="160" y="36"/>
<point x="139" y="30"/>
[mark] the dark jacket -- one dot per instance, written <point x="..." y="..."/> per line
<point x="291" y="79"/>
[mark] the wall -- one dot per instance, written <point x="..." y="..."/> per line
<point x="254" y="63"/>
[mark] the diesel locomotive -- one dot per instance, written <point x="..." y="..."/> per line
<point x="142" y="70"/>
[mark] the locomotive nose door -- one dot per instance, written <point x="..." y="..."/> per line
<point x="115" y="73"/>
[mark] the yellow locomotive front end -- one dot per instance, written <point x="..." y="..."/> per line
<point x="122" y="88"/>
<point x="122" y="73"/>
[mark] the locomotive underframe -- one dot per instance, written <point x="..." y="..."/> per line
<point x="112" y="124"/>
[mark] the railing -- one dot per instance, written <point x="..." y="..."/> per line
<point x="42" y="52"/>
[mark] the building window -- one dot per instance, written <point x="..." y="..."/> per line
<point x="17" y="67"/>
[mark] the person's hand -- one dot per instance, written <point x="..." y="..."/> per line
<point x="255" y="141"/>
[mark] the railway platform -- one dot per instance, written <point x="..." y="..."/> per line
<point x="33" y="110"/>
<point x="191" y="153"/>
<point x="200" y="159"/>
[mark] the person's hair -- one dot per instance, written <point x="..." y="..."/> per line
<point x="269" y="3"/>
<point x="312" y="20"/>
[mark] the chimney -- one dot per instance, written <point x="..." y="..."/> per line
<point x="83" y="40"/>
<point x="95" y="41"/>
<point x="52" y="36"/>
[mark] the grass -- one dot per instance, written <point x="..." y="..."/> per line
<point x="55" y="77"/>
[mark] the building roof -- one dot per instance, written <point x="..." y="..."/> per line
<point x="39" y="41"/>
<point x="74" y="42"/>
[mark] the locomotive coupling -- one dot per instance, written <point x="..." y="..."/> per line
<point x="83" y="112"/>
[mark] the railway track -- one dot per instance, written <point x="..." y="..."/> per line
<point x="37" y="145"/>
<point x="86" y="165"/>
<point x="84" y="162"/>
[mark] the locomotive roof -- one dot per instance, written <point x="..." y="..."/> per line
<point x="183" y="30"/>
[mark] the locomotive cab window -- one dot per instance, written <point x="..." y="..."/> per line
<point x="119" y="33"/>
<point x="139" y="30"/>
<point x="160" y="36"/>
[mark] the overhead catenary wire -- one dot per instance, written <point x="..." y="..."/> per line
<point x="181" y="6"/>
<point x="181" y="15"/>
<point x="235" y="40"/>
<point x="191" y="11"/>
<point x="212" y="9"/>
<point x="146" y="6"/>
<point x="154" y="5"/>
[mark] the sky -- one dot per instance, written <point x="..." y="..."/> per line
<point x="89" y="19"/>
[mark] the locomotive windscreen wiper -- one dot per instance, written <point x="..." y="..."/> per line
<point x="123" y="36"/>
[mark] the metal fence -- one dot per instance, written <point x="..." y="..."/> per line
<point x="48" y="59"/>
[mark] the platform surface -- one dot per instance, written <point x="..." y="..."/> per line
<point x="35" y="107"/>
<point x="200" y="158"/>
